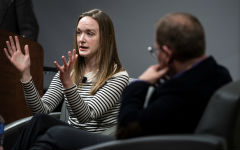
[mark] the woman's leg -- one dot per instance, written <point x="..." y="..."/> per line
<point x="65" y="137"/>
<point x="36" y="127"/>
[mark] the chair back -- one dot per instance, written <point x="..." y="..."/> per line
<point x="64" y="112"/>
<point x="222" y="115"/>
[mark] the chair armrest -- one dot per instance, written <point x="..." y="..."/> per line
<point x="171" y="142"/>
<point x="13" y="130"/>
<point x="16" y="124"/>
<point x="22" y="122"/>
<point x="55" y="114"/>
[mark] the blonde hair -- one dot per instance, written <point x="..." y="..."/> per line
<point x="107" y="56"/>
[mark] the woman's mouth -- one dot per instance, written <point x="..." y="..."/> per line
<point x="83" y="48"/>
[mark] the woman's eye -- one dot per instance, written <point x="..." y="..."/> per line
<point x="78" y="32"/>
<point x="90" y="33"/>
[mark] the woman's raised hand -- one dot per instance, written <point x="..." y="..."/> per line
<point x="66" y="69"/>
<point x="17" y="58"/>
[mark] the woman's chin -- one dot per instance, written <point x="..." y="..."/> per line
<point x="82" y="54"/>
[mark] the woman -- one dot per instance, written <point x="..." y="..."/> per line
<point x="91" y="81"/>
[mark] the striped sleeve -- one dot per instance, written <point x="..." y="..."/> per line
<point x="105" y="98"/>
<point x="50" y="99"/>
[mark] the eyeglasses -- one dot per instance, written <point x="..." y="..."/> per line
<point x="153" y="51"/>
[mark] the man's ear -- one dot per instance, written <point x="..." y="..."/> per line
<point x="168" y="52"/>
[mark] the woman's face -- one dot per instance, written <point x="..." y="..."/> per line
<point x="88" y="37"/>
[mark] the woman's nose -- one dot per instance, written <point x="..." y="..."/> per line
<point x="82" y="38"/>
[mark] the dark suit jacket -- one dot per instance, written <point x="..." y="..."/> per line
<point x="17" y="16"/>
<point x="176" y="105"/>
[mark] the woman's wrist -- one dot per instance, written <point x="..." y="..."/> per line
<point x="26" y="76"/>
<point x="67" y="84"/>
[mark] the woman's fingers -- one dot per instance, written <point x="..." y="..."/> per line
<point x="26" y="48"/>
<point x="67" y="65"/>
<point x="17" y="43"/>
<point x="63" y="67"/>
<point x="74" y="56"/>
<point x="7" y="54"/>
<point x="69" y="56"/>
<point x="9" y="48"/>
<point x="12" y="44"/>
<point x="57" y="65"/>
<point x="64" y="62"/>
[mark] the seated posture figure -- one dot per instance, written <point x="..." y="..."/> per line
<point x="177" y="104"/>
<point x="90" y="81"/>
<point x="184" y="80"/>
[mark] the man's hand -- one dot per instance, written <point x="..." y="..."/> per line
<point x="153" y="73"/>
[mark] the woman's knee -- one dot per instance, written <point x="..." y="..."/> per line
<point x="58" y="131"/>
<point x="40" y="117"/>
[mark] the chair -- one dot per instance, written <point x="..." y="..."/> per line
<point x="12" y="130"/>
<point x="218" y="129"/>
<point x="175" y="142"/>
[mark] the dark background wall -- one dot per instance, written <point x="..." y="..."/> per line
<point x="134" y="23"/>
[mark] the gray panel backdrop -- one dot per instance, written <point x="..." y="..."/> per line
<point x="134" y="22"/>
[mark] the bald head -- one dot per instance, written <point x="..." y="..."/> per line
<point x="182" y="19"/>
<point x="183" y="33"/>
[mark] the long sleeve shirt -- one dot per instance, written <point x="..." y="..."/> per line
<point x="93" y="113"/>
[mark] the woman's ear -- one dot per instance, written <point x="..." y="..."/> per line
<point x="168" y="52"/>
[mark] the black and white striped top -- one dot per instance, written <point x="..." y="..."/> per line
<point x="93" y="113"/>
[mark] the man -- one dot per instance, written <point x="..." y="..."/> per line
<point x="17" y="16"/>
<point x="177" y="104"/>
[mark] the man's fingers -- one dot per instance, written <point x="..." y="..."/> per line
<point x="163" y="71"/>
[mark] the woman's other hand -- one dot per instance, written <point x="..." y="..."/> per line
<point x="17" y="58"/>
<point x="66" y="69"/>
